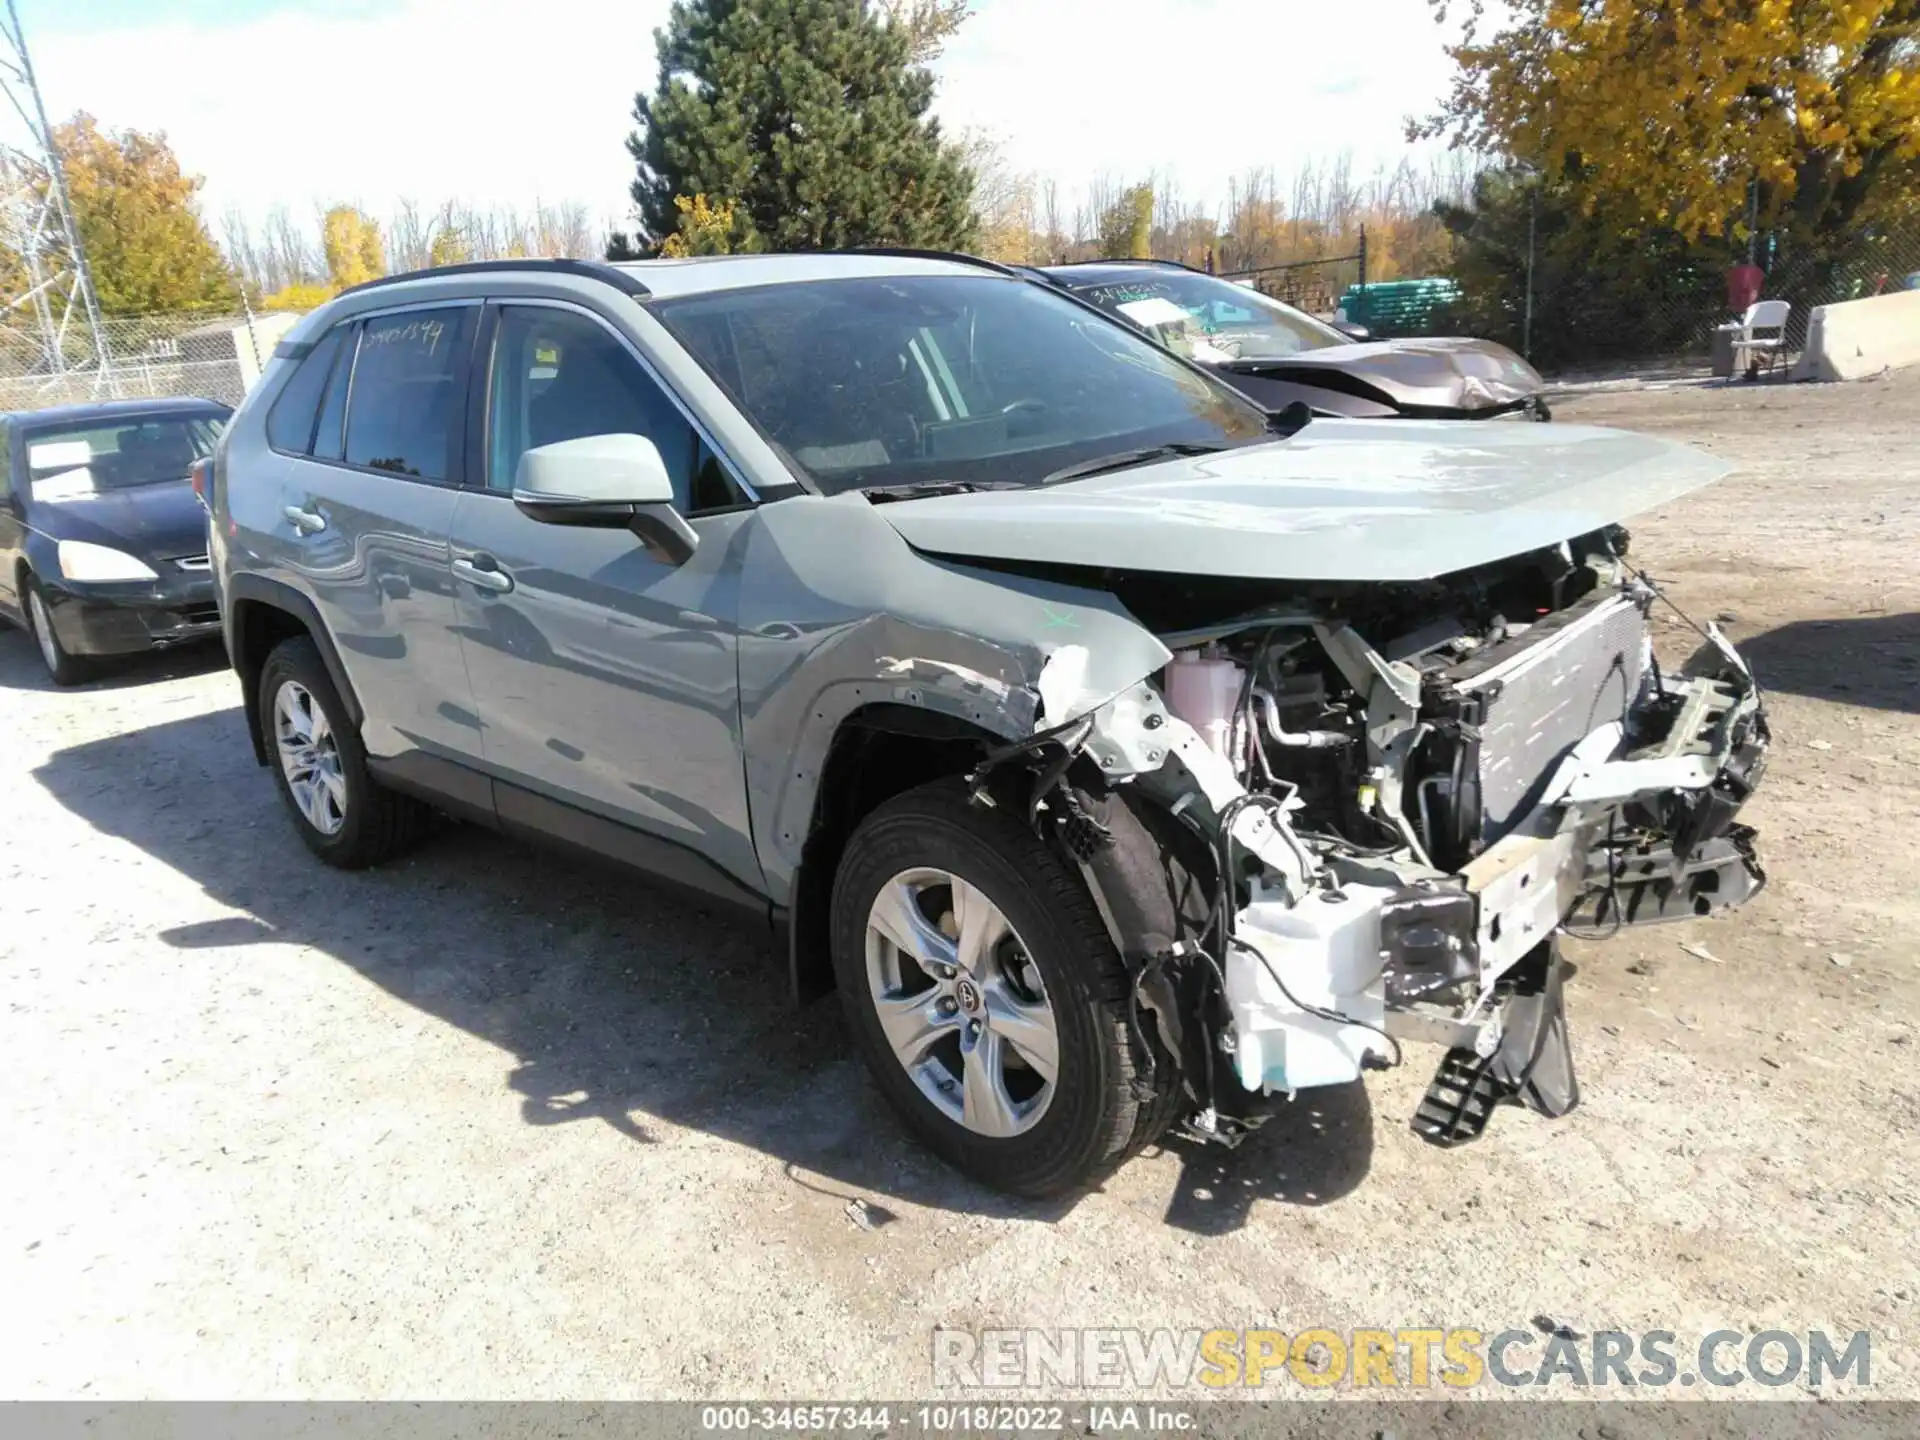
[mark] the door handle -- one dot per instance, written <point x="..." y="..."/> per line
<point x="307" y="522"/>
<point x="483" y="571"/>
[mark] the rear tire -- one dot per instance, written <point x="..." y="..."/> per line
<point x="344" y="815"/>
<point x="62" y="668"/>
<point x="948" y="857"/>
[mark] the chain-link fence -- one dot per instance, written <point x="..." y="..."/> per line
<point x="1315" y="286"/>
<point x="1578" y="315"/>
<point x="214" y="357"/>
<point x="1576" y="311"/>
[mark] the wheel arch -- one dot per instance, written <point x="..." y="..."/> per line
<point x="260" y="613"/>
<point x="878" y="751"/>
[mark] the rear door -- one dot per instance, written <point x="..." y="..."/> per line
<point x="361" y="517"/>
<point x="606" y="679"/>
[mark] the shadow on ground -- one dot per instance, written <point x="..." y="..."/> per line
<point x="1311" y="1151"/>
<point x="20" y="667"/>
<point x="621" y="1004"/>
<point x="1870" y="660"/>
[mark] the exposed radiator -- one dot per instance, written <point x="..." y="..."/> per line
<point x="1544" y="692"/>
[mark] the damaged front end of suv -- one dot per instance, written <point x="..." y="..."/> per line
<point x="1398" y="801"/>
<point x="1339" y="815"/>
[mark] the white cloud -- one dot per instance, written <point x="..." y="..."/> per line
<point x="488" y="101"/>
<point x="1198" y="89"/>
<point x="504" y="102"/>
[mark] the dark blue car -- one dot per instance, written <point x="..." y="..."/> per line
<point x="103" y="543"/>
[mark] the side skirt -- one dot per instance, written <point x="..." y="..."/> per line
<point x="525" y="814"/>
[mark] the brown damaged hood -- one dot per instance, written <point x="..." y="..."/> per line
<point x="1427" y="378"/>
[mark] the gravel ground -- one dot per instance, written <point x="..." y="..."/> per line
<point x="488" y="1123"/>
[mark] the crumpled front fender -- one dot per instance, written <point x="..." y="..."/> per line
<point x="838" y="613"/>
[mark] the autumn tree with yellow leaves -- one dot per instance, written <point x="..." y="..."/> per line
<point x="709" y="227"/>
<point x="353" y="247"/>
<point x="1683" y="114"/>
<point x="147" y="247"/>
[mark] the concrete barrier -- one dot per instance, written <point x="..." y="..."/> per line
<point x="1861" y="337"/>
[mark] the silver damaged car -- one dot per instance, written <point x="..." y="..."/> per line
<point x="1128" y="758"/>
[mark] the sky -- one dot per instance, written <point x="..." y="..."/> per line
<point x="491" y="102"/>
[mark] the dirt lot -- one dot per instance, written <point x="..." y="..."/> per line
<point x="492" y="1124"/>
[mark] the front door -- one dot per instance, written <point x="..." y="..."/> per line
<point x="606" y="680"/>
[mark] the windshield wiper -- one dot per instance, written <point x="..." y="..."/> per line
<point x="1127" y="459"/>
<point x="921" y="489"/>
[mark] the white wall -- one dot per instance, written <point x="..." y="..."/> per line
<point x="1861" y="337"/>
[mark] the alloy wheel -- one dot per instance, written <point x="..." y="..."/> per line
<point x="961" y="1002"/>
<point x="309" y="758"/>
<point x="43" y="631"/>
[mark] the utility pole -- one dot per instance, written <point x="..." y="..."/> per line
<point x="1526" y="321"/>
<point x="36" y="227"/>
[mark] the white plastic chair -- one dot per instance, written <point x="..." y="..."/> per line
<point x="1763" y="315"/>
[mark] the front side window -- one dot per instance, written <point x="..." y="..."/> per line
<point x="558" y="375"/>
<point x="75" y="462"/>
<point x="938" y="379"/>
<point x="404" y="410"/>
<point x="1211" y="319"/>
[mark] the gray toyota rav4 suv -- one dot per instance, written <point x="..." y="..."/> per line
<point x="1125" y="754"/>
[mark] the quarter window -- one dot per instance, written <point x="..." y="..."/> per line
<point x="328" y="436"/>
<point x="404" y="412"/>
<point x="290" y="421"/>
<point x="559" y="376"/>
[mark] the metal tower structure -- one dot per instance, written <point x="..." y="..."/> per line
<point x="50" y="323"/>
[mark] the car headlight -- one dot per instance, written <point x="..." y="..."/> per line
<point x="82" y="561"/>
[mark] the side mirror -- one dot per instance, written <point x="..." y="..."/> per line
<point x="605" y="482"/>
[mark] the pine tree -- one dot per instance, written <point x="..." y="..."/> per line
<point x="810" y="116"/>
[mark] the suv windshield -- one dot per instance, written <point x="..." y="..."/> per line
<point x="83" y="460"/>
<point x="948" y="380"/>
<point x="1209" y="319"/>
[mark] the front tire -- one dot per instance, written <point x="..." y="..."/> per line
<point x="343" y="814"/>
<point x="63" y="668"/>
<point x="987" y="997"/>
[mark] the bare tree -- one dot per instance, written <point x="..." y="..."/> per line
<point x="291" y="257"/>
<point x="409" y="238"/>
<point x="245" y="254"/>
<point x="573" y="232"/>
<point x="1050" y="219"/>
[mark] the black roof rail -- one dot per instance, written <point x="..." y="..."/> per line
<point x="907" y="252"/>
<point x="601" y="270"/>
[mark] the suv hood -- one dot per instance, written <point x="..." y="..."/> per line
<point x="1339" y="500"/>
<point x="1444" y="373"/>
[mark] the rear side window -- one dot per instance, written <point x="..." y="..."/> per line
<point x="408" y="392"/>
<point x="290" y="421"/>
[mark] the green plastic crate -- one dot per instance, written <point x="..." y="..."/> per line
<point x="1399" y="307"/>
